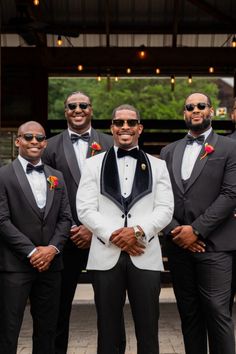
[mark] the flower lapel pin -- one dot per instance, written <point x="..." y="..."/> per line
<point x="95" y="147"/>
<point x="53" y="182"/>
<point x="208" y="149"/>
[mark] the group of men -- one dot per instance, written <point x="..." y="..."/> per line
<point x="107" y="211"/>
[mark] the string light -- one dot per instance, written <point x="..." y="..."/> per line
<point x="80" y="67"/>
<point x="158" y="71"/>
<point x="128" y="71"/>
<point x="172" y="79"/>
<point x="233" y="43"/>
<point x="59" y="41"/>
<point x="36" y="2"/>
<point x="190" y="79"/>
<point x="116" y="79"/>
<point x="142" y="52"/>
<point x="99" y="78"/>
<point x="211" y="69"/>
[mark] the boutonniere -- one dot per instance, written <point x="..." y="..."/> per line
<point x="95" y="147"/>
<point x="53" y="182"/>
<point x="208" y="150"/>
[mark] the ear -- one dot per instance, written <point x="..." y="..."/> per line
<point x="140" y="129"/>
<point x="17" y="142"/>
<point x="111" y="129"/>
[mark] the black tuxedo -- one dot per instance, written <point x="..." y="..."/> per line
<point x="23" y="226"/>
<point x="60" y="154"/>
<point x="206" y="201"/>
<point x="232" y="135"/>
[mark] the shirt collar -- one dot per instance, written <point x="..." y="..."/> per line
<point x="25" y="162"/>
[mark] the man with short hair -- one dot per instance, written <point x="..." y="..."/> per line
<point x="35" y="219"/>
<point x="67" y="152"/>
<point x="125" y="199"/>
<point x="201" y="236"/>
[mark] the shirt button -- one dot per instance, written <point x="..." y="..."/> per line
<point x="129" y="215"/>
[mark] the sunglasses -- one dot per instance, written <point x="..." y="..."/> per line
<point x="201" y="106"/>
<point x="121" y="122"/>
<point x="29" y="137"/>
<point x="73" y="106"/>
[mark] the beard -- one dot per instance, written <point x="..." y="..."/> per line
<point x="198" y="127"/>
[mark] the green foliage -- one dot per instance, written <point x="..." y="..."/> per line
<point x="152" y="96"/>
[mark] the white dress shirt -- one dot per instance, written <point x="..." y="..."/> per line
<point x="190" y="156"/>
<point x="126" y="169"/>
<point x="80" y="148"/>
<point x="37" y="183"/>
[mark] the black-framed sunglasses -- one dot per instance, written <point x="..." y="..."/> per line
<point x="73" y="105"/>
<point x="29" y="137"/>
<point x="121" y="122"/>
<point x="201" y="106"/>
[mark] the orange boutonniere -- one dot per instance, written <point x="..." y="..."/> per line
<point x="208" y="150"/>
<point x="53" y="182"/>
<point x="95" y="147"/>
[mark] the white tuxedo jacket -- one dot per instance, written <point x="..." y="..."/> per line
<point x="100" y="208"/>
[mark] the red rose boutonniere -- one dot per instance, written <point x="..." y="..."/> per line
<point x="53" y="182"/>
<point x="95" y="147"/>
<point x="208" y="150"/>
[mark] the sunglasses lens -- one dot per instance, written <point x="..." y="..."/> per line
<point x="28" y="137"/>
<point x="132" y="122"/>
<point x="201" y="106"/>
<point x="118" y="122"/>
<point x="40" y="138"/>
<point x="84" y="105"/>
<point x="72" y="106"/>
<point x="189" y="107"/>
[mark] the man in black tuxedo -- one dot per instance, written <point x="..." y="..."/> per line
<point x="233" y="117"/>
<point x="201" y="236"/>
<point x="35" y="219"/>
<point x="67" y="152"/>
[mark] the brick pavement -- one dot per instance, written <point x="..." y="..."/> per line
<point x="83" y="328"/>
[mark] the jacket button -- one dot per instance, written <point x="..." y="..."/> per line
<point x="129" y="215"/>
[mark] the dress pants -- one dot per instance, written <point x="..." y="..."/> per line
<point x="43" y="291"/>
<point x="202" y="286"/>
<point x="143" y="288"/>
<point x="75" y="261"/>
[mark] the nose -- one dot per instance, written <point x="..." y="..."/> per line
<point x="125" y="124"/>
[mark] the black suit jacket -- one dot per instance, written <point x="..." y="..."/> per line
<point x="232" y="135"/>
<point x="60" y="154"/>
<point x="23" y="226"/>
<point x="208" y="201"/>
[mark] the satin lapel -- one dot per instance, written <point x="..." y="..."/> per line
<point x="71" y="157"/>
<point x="50" y="193"/>
<point x="142" y="184"/>
<point x="25" y="186"/>
<point x="94" y="138"/>
<point x="110" y="184"/>
<point x="199" y="164"/>
<point x="177" y="163"/>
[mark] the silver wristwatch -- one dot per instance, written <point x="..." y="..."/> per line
<point x="137" y="233"/>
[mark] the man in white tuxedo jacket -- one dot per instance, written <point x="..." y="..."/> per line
<point x="125" y="198"/>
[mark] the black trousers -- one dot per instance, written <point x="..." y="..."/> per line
<point x="143" y="288"/>
<point x="202" y="286"/>
<point x="74" y="261"/>
<point x="43" y="291"/>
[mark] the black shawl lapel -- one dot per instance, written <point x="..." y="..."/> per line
<point x="177" y="163"/>
<point x="110" y="184"/>
<point x="199" y="164"/>
<point x="71" y="157"/>
<point x="50" y="193"/>
<point x="25" y="186"/>
<point x="142" y="184"/>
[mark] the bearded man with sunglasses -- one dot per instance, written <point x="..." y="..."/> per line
<point x="35" y="219"/>
<point x="125" y="199"/>
<point x="201" y="236"/>
<point x="67" y="153"/>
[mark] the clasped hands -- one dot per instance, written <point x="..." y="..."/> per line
<point x="125" y="239"/>
<point x="42" y="257"/>
<point x="184" y="237"/>
<point x="81" y="236"/>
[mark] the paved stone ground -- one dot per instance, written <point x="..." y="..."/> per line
<point x="83" y="334"/>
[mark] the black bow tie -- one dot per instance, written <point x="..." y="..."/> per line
<point x="75" y="137"/>
<point x="30" y="168"/>
<point x="133" y="153"/>
<point x="200" y="139"/>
